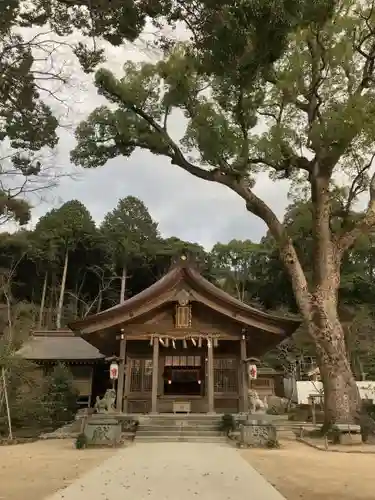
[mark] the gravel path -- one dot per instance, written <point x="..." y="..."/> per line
<point x="172" y="471"/>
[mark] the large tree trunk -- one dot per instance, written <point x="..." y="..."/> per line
<point x="341" y="396"/>
<point x="318" y="304"/>
<point x="62" y="291"/>
<point x="317" y="301"/>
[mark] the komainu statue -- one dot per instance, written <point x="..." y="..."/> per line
<point x="256" y="405"/>
<point x="107" y="403"/>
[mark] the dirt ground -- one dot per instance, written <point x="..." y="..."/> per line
<point x="36" y="470"/>
<point x="302" y="473"/>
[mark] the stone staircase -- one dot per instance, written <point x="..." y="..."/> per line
<point x="180" y="428"/>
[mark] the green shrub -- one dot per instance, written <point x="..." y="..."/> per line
<point x="81" y="441"/>
<point x="273" y="410"/>
<point x="130" y="425"/>
<point x="227" y="423"/>
<point x="367" y="421"/>
<point x="273" y="444"/>
<point x="60" y="396"/>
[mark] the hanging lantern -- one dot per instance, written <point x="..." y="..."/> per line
<point x="113" y="371"/>
<point x="194" y="342"/>
<point x="151" y="341"/>
<point x="253" y="372"/>
<point x="167" y="342"/>
<point x="173" y="344"/>
<point x="161" y="341"/>
<point x="184" y="344"/>
<point x="216" y="342"/>
<point x="200" y="342"/>
<point x="209" y="343"/>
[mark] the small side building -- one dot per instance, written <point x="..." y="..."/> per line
<point x="46" y="348"/>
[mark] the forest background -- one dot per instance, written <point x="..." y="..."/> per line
<point x="69" y="267"/>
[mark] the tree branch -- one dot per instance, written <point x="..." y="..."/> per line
<point x="357" y="187"/>
<point x="237" y="182"/>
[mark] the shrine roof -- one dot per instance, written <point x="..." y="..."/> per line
<point x="183" y="274"/>
<point x="49" y="345"/>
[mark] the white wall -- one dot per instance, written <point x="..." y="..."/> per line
<point x="300" y="391"/>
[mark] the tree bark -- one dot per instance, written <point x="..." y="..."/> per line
<point x="318" y="303"/>
<point x="99" y="305"/>
<point x="62" y="291"/>
<point x="123" y="285"/>
<point x="43" y="301"/>
<point x="341" y="396"/>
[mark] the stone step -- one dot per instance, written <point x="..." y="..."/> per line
<point x="190" y="439"/>
<point x="176" y="432"/>
<point x="173" y="416"/>
<point x="166" y="430"/>
<point x="179" y="422"/>
<point x="185" y="425"/>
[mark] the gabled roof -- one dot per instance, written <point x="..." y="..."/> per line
<point x="60" y="345"/>
<point x="183" y="274"/>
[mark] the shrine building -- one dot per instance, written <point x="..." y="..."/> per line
<point x="182" y="344"/>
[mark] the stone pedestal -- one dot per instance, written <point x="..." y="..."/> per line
<point x="350" y="439"/>
<point x="103" y="430"/>
<point x="257" y="433"/>
<point x="348" y="434"/>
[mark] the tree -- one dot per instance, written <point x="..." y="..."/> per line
<point x="234" y="262"/>
<point x="60" y="396"/>
<point x="27" y="127"/>
<point x="131" y="232"/>
<point x="63" y="230"/>
<point x="317" y="103"/>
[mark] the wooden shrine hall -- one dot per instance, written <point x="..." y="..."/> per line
<point x="182" y="344"/>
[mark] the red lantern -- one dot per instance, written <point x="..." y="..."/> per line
<point x="113" y="371"/>
<point x="253" y="372"/>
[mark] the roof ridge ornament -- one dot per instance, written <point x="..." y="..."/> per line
<point x="184" y="259"/>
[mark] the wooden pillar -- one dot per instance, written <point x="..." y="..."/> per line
<point x="210" y="377"/>
<point x="121" y="375"/>
<point x="244" y="377"/>
<point x="127" y="384"/>
<point x="155" y="375"/>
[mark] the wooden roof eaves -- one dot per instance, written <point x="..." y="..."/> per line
<point x="103" y="323"/>
<point x="249" y="313"/>
<point x="243" y="320"/>
<point x="165" y="284"/>
<point x="161" y="291"/>
<point x="50" y="361"/>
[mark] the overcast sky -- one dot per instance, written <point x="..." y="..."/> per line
<point x="183" y="206"/>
